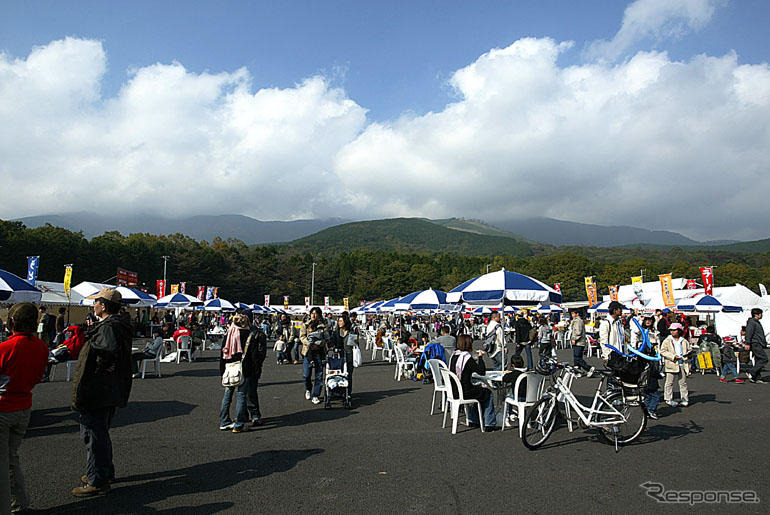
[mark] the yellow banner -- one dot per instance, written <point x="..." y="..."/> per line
<point x="174" y="288"/>
<point x="637" y="279"/>
<point x="667" y="289"/>
<point x="347" y="305"/>
<point x="67" y="279"/>
<point x="590" y="290"/>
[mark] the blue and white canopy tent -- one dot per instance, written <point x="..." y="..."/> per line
<point x="14" y="289"/>
<point x="422" y="300"/>
<point x="178" y="300"/>
<point x="546" y="309"/>
<point x="218" y="305"/>
<point x="389" y="306"/>
<point x="242" y="306"/>
<point x="128" y="296"/>
<point x="705" y="304"/>
<point x="504" y="288"/>
<point x="603" y="308"/>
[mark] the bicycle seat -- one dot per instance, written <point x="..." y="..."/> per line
<point x="605" y="372"/>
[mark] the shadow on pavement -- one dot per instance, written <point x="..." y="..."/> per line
<point x="56" y="421"/>
<point x="206" y="477"/>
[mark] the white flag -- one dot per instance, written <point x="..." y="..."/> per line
<point x="762" y="290"/>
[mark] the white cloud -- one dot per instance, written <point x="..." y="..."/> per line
<point x="655" y="19"/>
<point x="649" y="142"/>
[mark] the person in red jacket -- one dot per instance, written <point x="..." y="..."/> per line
<point x="68" y="350"/>
<point x="23" y="359"/>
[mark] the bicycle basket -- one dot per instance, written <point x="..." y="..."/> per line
<point x="545" y="367"/>
<point x="628" y="370"/>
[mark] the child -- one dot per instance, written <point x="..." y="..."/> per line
<point x="280" y="351"/>
<point x="728" y="364"/>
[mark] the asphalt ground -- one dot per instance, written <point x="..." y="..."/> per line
<point x="387" y="454"/>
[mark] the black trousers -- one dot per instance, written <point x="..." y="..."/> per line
<point x="252" y="395"/>
<point x="95" y="432"/>
<point x="760" y="360"/>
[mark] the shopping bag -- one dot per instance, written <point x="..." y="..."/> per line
<point x="357" y="358"/>
<point x="704" y="361"/>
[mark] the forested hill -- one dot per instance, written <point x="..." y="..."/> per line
<point x="409" y="235"/>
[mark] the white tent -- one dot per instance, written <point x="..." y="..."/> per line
<point x="53" y="294"/>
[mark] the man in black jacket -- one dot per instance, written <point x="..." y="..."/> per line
<point x="102" y="383"/>
<point x="756" y="343"/>
<point x="522" y="328"/>
<point x="253" y="358"/>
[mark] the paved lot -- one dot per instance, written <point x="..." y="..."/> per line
<point x="386" y="455"/>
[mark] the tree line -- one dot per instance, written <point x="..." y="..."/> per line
<point x="247" y="273"/>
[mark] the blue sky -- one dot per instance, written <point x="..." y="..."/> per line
<point x="590" y="111"/>
<point x="390" y="56"/>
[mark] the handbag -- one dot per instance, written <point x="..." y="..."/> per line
<point x="233" y="375"/>
<point x="357" y="358"/>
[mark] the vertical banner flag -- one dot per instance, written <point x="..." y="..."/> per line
<point x="201" y="292"/>
<point x="216" y="292"/>
<point x="267" y="301"/>
<point x="33" y="262"/>
<point x="691" y="284"/>
<point x="707" y="273"/>
<point x="614" y="292"/>
<point x="181" y="287"/>
<point x="591" y="290"/>
<point x="636" y="284"/>
<point x="209" y="293"/>
<point x="361" y="303"/>
<point x="67" y="280"/>
<point x="667" y="289"/>
<point x="346" y="303"/>
<point x="285" y="302"/>
<point x="557" y="287"/>
<point x="326" y="302"/>
<point x="307" y="303"/>
<point x="174" y="288"/>
<point x="161" y="288"/>
<point x="762" y="290"/>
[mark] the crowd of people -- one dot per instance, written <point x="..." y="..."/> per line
<point x="106" y="362"/>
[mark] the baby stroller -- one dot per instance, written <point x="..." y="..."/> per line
<point x="336" y="379"/>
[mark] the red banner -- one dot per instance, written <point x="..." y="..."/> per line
<point x="557" y="287"/>
<point x="161" y="288"/>
<point x="691" y="284"/>
<point x="267" y="301"/>
<point x="201" y="292"/>
<point x="707" y="273"/>
<point x="127" y="278"/>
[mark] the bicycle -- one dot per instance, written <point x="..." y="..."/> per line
<point x="617" y="410"/>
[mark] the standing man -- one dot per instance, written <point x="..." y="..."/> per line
<point x="611" y="332"/>
<point x="756" y="343"/>
<point x="47" y="327"/>
<point x="102" y="383"/>
<point x="522" y="328"/>
<point x="61" y="325"/>
<point x="253" y="358"/>
<point x="494" y="337"/>
<point x="577" y="329"/>
<point x="23" y="359"/>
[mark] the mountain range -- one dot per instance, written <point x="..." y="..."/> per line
<point x="457" y="235"/>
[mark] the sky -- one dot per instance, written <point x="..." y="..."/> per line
<point x="652" y="113"/>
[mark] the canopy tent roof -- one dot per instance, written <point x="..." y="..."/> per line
<point x="218" y="305"/>
<point x="128" y="296"/>
<point x="14" y="289"/>
<point x="705" y="304"/>
<point x="503" y="287"/>
<point x="53" y="294"/>
<point x="422" y="300"/>
<point x="178" y="300"/>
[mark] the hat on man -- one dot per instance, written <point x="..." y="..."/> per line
<point x="110" y="294"/>
<point x="676" y="325"/>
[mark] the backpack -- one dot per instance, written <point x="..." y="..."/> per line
<point x="490" y="342"/>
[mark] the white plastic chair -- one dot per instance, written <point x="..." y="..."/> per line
<point x="522" y="400"/>
<point x="183" y="346"/>
<point x="438" y="383"/>
<point x="155" y="361"/>
<point x="402" y="365"/>
<point x="455" y="401"/>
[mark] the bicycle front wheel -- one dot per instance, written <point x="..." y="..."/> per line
<point x="633" y="410"/>
<point x="539" y="422"/>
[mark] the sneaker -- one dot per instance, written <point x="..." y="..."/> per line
<point x="84" y="479"/>
<point x="296" y="362"/>
<point x="257" y="422"/>
<point x="226" y="427"/>
<point x="591" y="372"/>
<point x="652" y="415"/>
<point x="316" y="400"/>
<point x="241" y="429"/>
<point x="684" y="404"/>
<point x="673" y="404"/>
<point x="307" y="394"/>
<point x="136" y="376"/>
<point x="91" y="491"/>
<point x="723" y="380"/>
<point x="739" y="381"/>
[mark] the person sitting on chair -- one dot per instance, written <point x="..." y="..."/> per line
<point x="463" y="364"/>
<point x="149" y="352"/>
<point x="68" y="350"/>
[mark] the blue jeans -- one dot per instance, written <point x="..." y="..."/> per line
<point x="577" y="357"/>
<point x="651" y="400"/>
<point x="528" y="349"/>
<point x="727" y="369"/>
<point x="313" y="359"/>
<point x="490" y="418"/>
<point x="241" y="413"/>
